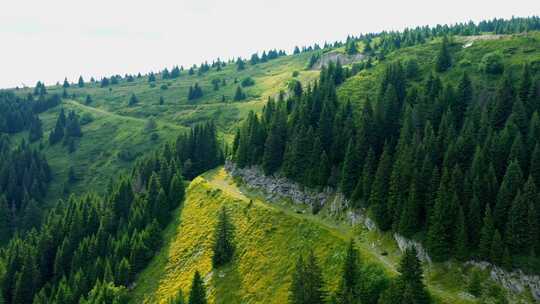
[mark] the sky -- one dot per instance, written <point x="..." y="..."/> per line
<point x="50" y="40"/>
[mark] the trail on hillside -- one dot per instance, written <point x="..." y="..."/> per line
<point x="116" y="115"/>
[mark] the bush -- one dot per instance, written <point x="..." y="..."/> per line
<point x="295" y="74"/>
<point x="164" y="87"/>
<point x="247" y="82"/>
<point x="492" y="64"/>
<point x="86" y="118"/>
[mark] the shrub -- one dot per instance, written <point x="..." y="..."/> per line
<point x="86" y="118"/>
<point x="247" y="82"/>
<point x="492" y="64"/>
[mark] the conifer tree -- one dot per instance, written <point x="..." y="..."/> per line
<point x="411" y="276"/>
<point x="517" y="228"/>
<point x="239" y="94"/>
<point x="462" y="250"/>
<point x="534" y="168"/>
<point x="197" y="295"/>
<point x="349" y="174"/>
<point x="504" y="102"/>
<point x="377" y="198"/>
<point x="307" y="284"/>
<point x="224" y="246"/>
<point x="463" y="99"/>
<point x="525" y="86"/>
<point x="347" y="292"/>
<point x="5" y="219"/>
<point x="176" y="191"/>
<point x="443" y="60"/>
<point x="66" y="83"/>
<point x="81" y="82"/>
<point x="513" y="179"/>
<point x="133" y="100"/>
<point x="497" y="248"/>
<point x="486" y="235"/>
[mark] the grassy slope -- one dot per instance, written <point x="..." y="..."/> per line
<point x="270" y="236"/>
<point x="118" y="128"/>
<point x="515" y="51"/>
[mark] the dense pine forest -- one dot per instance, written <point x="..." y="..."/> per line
<point x="90" y="248"/>
<point x="454" y="164"/>
<point x="421" y="138"/>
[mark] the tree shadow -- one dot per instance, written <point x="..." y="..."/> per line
<point x="227" y="284"/>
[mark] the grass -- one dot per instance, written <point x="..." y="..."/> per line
<point x="269" y="237"/>
<point x="118" y="130"/>
<point x="515" y="49"/>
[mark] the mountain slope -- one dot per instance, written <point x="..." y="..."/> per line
<point x="269" y="236"/>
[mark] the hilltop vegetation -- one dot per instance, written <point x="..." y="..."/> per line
<point x="435" y="137"/>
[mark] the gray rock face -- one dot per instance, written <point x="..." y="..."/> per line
<point x="335" y="57"/>
<point x="275" y="187"/>
<point x="405" y="243"/>
<point x="515" y="281"/>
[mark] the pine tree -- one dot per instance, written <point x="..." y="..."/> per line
<point x="497" y="248"/>
<point x="462" y="250"/>
<point x="176" y="191"/>
<point x="377" y="199"/>
<point x="504" y="102"/>
<point x="307" y="284"/>
<point x="239" y="94"/>
<point x="441" y="238"/>
<point x="517" y="227"/>
<point x="525" y="86"/>
<point x="463" y="100"/>
<point x="513" y="179"/>
<point x="274" y="146"/>
<point x="133" y="100"/>
<point x="534" y="167"/>
<point x="81" y="82"/>
<point x="224" y="246"/>
<point x="5" y="220"/>
<point x="347" y="292"/>
<point x="351" y="47"/>
<point x="349" y="174"/>
<point x="66" y="83"/>
<point x="197" y="295"/>
<point x="486" y="235"/>
<point x="444" y="60"/>
<point x="411" y="276"/>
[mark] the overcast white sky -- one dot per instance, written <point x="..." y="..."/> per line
<point x="49" y="40"/>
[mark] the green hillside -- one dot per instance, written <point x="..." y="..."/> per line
<point x="434" y="133"/>
<point x="270" y="237"/>
<point x="117" y="133"/>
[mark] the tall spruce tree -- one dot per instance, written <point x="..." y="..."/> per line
<point x="348" y="288"/>
<point x="307" y="284"/>
<point x="443" y="60"/>
<point x="197" y="294"/>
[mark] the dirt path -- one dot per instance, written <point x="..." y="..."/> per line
<point x="100" y="111"/>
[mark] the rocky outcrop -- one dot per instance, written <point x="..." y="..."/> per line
<point x="275" y="187"/>
<point x="516" y="281"/>
<point x="405" y="243"/>
<point x="334" y="57"/>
